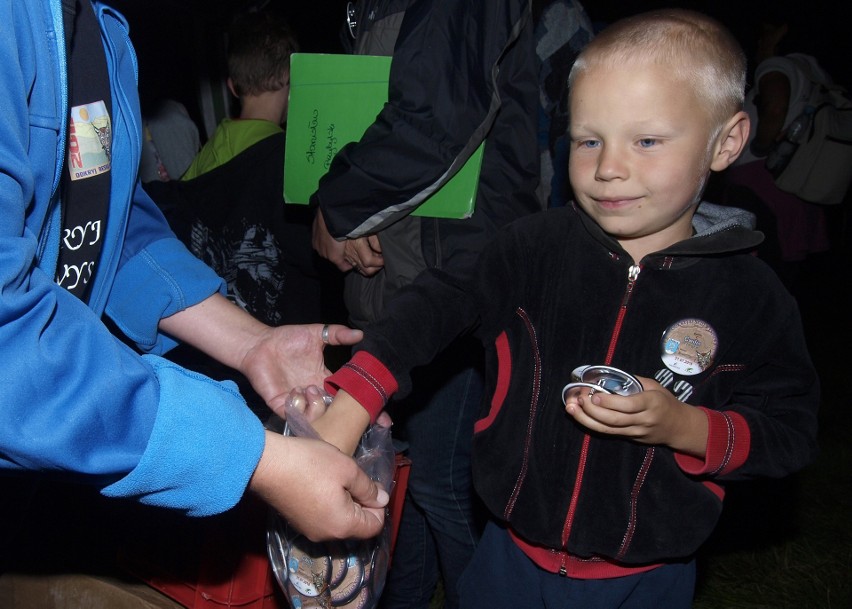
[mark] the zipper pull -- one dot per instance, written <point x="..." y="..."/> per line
<point x="633" y="273"/>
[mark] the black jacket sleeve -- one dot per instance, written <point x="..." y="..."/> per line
<point x="446" y="89"/>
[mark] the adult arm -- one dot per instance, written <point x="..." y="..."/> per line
<point x="274" y="359"/>
<point x="78" y="403"/>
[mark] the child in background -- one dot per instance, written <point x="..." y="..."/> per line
<point x="228" y="208"/>
<point x="259" y="49"/>
<point x="603" y="500"/>
<point x="229" y="205"/>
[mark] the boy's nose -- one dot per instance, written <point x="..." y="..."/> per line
<point x="610" y="164"/>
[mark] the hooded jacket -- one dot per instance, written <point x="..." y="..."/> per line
<point x="76" y="401"/>
<point x="553" y="292"/>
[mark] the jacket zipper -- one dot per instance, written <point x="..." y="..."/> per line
<point x="632" y="276"/>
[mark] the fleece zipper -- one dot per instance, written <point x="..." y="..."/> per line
<point x="632" y="276"/>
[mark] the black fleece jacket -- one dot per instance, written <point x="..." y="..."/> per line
<point x="552" y="293"/>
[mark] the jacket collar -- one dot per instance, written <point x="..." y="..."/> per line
<point x="718" y="229"/>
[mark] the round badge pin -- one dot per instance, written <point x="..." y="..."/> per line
<point x="278" y="551"/>
<point x="601" y="379"/>
<point x="612" y="379"/>
<point x="581" y="389"/>
<point x="308" y="571"/>
<point x="341" y="558"/>
<point x="689" y="346"/>
<point x="577" y="373"/>
<point x="347" y="590"/>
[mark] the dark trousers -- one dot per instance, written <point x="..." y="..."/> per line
<point x="501" y="576"/>
<point x="440" y="526"/>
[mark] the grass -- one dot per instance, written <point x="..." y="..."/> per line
<point x="786" y="544"/>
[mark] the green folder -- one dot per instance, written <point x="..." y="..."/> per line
<point x="333" y="99"/>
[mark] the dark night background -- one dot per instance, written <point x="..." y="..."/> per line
<point x="175" y="40"/>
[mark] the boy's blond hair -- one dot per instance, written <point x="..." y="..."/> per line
<point x="698" y="49"/>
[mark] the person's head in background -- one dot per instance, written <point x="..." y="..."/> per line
<point x="259" y="49"/>
<point x="656" y="105"/>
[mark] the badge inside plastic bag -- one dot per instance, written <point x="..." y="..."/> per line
<point x="349" y="573"/>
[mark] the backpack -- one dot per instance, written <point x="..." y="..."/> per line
<point x="820" y="169"/>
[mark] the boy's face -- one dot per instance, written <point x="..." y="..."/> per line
<point x="640" y="154"/>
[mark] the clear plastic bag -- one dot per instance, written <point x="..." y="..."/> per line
<point x="351" y="573"/>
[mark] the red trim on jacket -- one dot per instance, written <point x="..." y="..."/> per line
<point x="574" y="566"/>
<point x="504" y="377"/>
<point x="367" y="380"/>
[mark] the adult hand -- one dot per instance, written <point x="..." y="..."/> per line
<point x="291" y="356"/>
<point x="319" y="490"/>
<point x="273" y="359"/>
<point x="327" y="246"/>
<point x="364" y="254"/>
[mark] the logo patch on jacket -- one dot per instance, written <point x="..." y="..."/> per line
<point x="89" y="140"/>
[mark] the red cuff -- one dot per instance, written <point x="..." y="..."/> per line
<point x="728" y="445"/>
<point x="367" y="380"/>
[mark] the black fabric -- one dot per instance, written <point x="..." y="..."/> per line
<point x="234" y="218"/>
<point x="69" y="12"/>
<point x="443" y="101"/>
<point x="553" y="292"/>
<point x="442" y="104"/>
<point x="85" y="197"/>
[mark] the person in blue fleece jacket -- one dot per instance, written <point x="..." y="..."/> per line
<point x="80" y="242"/>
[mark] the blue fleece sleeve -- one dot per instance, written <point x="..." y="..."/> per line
<point x="203" y="448"/>
<point x="157" y="277"/>
<point x="160" y="280"/>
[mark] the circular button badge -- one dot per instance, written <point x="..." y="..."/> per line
<point x="612" y="379"/>
<point x="689" y="346"/>
<point x="600" y="379"/>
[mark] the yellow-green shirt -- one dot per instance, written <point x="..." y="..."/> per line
<point x="231" y="137"/>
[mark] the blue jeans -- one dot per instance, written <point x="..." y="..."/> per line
<point x="440" y="524"/>
<point x="501" y="576"/>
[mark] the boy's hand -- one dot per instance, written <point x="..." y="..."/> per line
<point x="653" y="416"/>
<point x="362" y="255"/>
<point x="310" y="401"/>
<point x="327" y="246"/>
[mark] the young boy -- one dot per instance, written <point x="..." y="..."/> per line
<point x="603" y="501"/>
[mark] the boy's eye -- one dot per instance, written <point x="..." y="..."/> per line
<point x="588" y="143"/>
<point x="647" y="142"/>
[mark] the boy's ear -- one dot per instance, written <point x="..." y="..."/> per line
<point x="230" y="84"/>
<point x="731" y="141"/>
